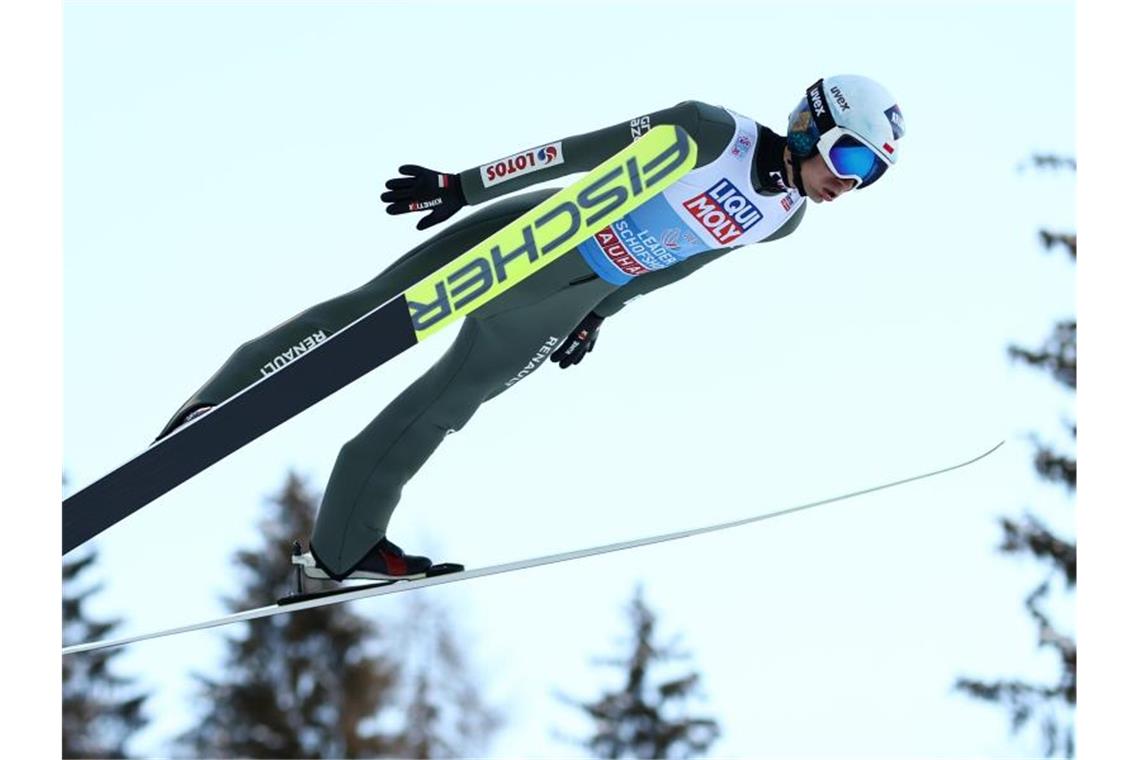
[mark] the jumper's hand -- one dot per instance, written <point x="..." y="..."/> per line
<point x="578" y="343"/>
<point x="423" y="190"/>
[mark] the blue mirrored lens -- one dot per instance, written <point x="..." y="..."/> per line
<point x="851" y="158"/>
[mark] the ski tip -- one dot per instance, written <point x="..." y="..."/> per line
<point x="968" y="462"/>
<point x="992" y="449"/>
<point x="444" y="568"/>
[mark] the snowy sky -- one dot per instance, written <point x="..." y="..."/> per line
<point x="222" y="167"/>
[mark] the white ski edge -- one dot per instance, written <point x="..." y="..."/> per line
<point x="509" y="567"/>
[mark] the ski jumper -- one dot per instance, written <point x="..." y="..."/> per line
<point x="730" y="199"/>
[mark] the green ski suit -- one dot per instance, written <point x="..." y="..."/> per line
<point x="497" y="345"/>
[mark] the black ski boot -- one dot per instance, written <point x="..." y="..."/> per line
<point x="183" y="419"/>
<point x="384" y="561"/>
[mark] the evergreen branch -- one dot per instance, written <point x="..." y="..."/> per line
<point x="1054" y="161"/>
<point x="1058" y="356"/>
<point x="1054" y="467"/>
<point x="1066" y="239"/>
<point x="1031" y="535"/>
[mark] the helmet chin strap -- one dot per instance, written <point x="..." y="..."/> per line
<point x="797" y="177"/>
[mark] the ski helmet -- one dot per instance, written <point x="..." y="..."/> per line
<point x="853" y="122"/>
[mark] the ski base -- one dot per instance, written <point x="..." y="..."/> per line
<point x="443" y="568"/>
<point x="342" y="595"/>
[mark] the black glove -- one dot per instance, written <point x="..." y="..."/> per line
<point x="423" y="189"/>
<point x="578" y="343"/>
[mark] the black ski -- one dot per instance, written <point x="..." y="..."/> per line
<point x="549" y="230"/>
<point x="346" y="356"/>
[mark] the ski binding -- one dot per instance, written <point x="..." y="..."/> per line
<point x="301" y="560"/>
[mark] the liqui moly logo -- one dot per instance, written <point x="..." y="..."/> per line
<point x="724" y="211"/>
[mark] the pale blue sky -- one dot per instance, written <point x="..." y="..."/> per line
<point x="222" y="172"/>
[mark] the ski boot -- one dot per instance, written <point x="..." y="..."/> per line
<point x="384" y="564"/>
<point x="183" y="420"/>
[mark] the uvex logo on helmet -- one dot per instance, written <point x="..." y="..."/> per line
<point x="839" y="99"/>
<point x="852" y="121"/>
<point x="817" y="101"/>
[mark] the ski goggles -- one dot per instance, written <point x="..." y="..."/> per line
<point x="846" y="154"/>
<point x="848" y="157"/>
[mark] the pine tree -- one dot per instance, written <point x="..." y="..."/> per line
<point x="323" y="682"/>
<point x="446" y="716"/>
<point x="101" y="710"/>
<point x="647" y="717"/>
<point x="294" y="685"/>
<point x="1050" y="704"/>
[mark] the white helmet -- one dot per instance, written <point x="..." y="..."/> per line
<point x="853" y="122"/>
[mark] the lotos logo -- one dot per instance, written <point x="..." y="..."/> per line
<point x="526" y="162"/>
<point x="564" y="219"/>
<point x="723" y="211"/>
<point x="898" y="126"/>
<point x="842" y="101"/>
